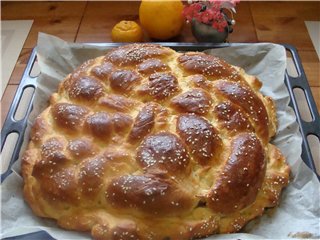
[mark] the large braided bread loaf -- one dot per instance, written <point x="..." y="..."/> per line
<point x="148" y="143"/>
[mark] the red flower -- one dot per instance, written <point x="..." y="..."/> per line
<point x="191" y="10"/>
<point x="220" y="25"/>
<point x="206" y="16"/>
<point x="209" y="12"/>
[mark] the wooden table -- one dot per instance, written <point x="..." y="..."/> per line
<point x="278" y="22"/>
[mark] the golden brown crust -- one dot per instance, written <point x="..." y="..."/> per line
<point x="241" y="177"/>
<point x="152" y="66"/>
<point x="102" y="71"/>
<point x="160" y="86"/>
<point x="195" y="101"/>
<point x="68" y="116"/>
<point x="83" y="88"/>
<point x="123" y="80"/>
<point x="148" y="143"/>
<point x="200" y="137"/>
<point x="163" y="151"/>
<point x="133" y="54"/>
<point x="251" y="104"/>
<point x="151" y="195"/>
<point x="232" y="118"/>
<point x="209" y="66"/>
<point x="144" y="122"/>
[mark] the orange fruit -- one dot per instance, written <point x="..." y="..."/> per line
<point x="161" y="19"/>
<point x="127" y="31"/>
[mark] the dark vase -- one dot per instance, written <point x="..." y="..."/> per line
<point x="206" y="33"/>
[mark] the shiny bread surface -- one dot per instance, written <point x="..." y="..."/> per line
<point x="149" y="143"/>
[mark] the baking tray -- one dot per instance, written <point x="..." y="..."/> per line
<point x="306" y="128"/>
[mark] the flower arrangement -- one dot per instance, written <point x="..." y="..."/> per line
<point x="210" y="12"/>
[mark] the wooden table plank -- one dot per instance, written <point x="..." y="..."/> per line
<point x="100" y="17"/>
<point x="61" y="19"/>
<point x="302" y="9"/>
<point x="62" y="27"/>
<point x="244" y="29"/>
<point x="30" y="10"/>
<point x="20" y="66"/>
<point x="283" y="22"/>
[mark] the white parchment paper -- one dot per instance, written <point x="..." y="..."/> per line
<point x="298" y="214"/>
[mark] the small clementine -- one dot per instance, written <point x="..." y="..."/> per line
<point x="127" y="31"/>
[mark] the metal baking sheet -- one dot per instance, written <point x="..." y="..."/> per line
<point x="300" y="81"/>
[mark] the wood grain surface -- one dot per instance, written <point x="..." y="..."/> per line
<point x="86" y="21"/>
